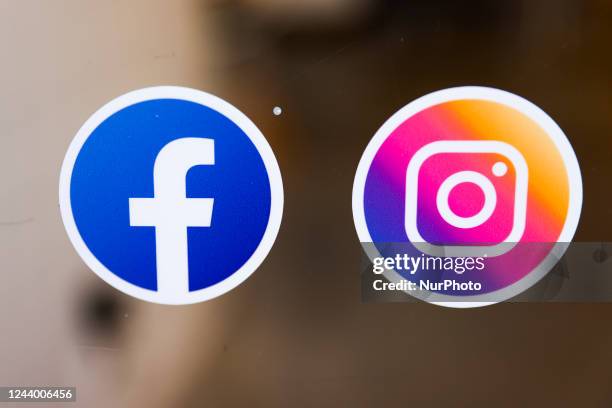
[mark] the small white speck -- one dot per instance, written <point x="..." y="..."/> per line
<point x="499" y="169"/>
<point x="277" y="111"/>
<point x="125" y="315"/>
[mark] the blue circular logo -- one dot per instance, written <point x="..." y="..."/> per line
<point x="171" y="195"/>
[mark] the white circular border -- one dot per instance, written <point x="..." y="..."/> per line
<point x="201" y="98"/>
<point x="526" y="108"/>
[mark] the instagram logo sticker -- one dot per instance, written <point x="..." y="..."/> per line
<point x="473" y="174"/>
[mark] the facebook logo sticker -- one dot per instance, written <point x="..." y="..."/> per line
<point x="171" y="195"/>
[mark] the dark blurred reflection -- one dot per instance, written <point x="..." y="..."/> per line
<point x="100" y="312"/>
<point x="337" y="85"/>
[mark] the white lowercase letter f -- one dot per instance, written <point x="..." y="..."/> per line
<point x="171" y="212"/>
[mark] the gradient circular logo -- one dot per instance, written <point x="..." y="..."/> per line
<point x="470" y="172"/>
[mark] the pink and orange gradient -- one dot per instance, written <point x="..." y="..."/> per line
<point x="548" y="188"/>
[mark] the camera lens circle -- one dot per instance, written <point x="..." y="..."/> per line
<point x="490" y="199"/>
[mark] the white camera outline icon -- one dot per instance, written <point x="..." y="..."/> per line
<point x="466" y="146"/>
